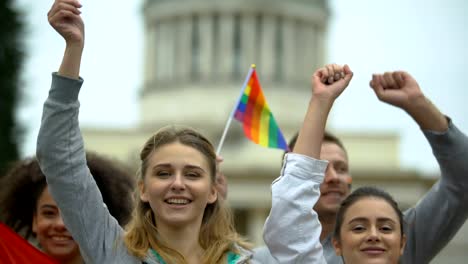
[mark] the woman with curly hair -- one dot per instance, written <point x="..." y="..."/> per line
<point x="29" y="209"/>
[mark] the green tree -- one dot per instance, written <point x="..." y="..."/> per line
<point x="11" y="57"/>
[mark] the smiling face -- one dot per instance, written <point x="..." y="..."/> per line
<point x="370" y="233"/>
<point x="178" y="185"/>
<point x="51" y="233"/>
<point x="336" y="184"/>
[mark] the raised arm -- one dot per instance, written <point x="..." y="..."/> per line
<point x="428" y="232"/>
<point x="292" y="230"/>
<point x="327" y="84"/>
<point x="61" y="153"/>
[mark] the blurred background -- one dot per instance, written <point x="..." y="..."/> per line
<point x="149" y="63"/>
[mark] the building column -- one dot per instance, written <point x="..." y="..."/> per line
<point x="170" y="49"/>
<point x="206" y="46"/>
<point x="183" y="52"/>
<point x="248" y="40"/>
<point x="150" y="58"/>
<point x="300" y="47"/>
<point x="266" y="64"/>
<point x="320" y="50"/>
<point x="165" y="52"/>
<point x="225" y="53"/>
<point x="309" y="40"/>
<point x="289" y="49"/>
<point x="159" y="60"/>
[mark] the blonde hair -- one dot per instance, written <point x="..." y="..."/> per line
<point x="217" y="233"/>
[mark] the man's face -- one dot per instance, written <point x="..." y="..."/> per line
<point x="336" y="185"/>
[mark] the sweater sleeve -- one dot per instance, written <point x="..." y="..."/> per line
<point x="292" y="229"/>
<point x="438" y="216"/>
<point x="61" y="155"/>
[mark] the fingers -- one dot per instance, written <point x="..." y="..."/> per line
<point x="321" y="75"/>
<point x="63" y="9"/>
<point x="399" y="78"/>
<point x="331" y="73"/>
<point x="386" y="88"/>
<point x="390" y="81"/>
<point x="334" y="72"/>
<point x="60" y="17"/>
<point x="347" y="74"/>
<point x="70" y="5"/>
<point x="376" y="85"/>
<point x="219" y="160"/>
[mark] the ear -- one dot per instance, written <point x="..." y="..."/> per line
<point x="213" y="195"/>
<point x="403" y="244"/>
<point x="143" y="194"/>
<point x="337" y="246"/>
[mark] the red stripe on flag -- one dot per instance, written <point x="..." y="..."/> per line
<point x="249" y="118"/>
<point x="15" y="249"/>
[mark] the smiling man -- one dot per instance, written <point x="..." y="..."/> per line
<point x="441" y="212"/>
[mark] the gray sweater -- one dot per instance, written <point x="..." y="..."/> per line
<point x="61" y="155"/>
<point x="437" y="217"/>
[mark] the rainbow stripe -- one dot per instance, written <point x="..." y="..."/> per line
<point x="255" y="115"/>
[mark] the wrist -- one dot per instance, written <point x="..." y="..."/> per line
<point x="74" y="46"/>
<point x="428" y="116"/>
<point x="417" y="105"/>
<point x="70" y="66"/>
<point x="322" y="102"/>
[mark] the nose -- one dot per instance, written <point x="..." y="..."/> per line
<point x="330" y="175"/>
<point x="178" y="184"/>
<point x="58" y="223"/>
<point x="373" y="235"/>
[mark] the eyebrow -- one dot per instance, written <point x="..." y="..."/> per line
<point x="379" y="219"/>
<point x="338" y="162"/>
<point x="167" y="165"/>
<point x="48" y="206"/>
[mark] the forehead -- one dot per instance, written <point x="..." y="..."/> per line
<point x="332" y="152"/>
<point x="45" y="198"/>
<point x="371" y="208"/>
<point x="178" y="154"/>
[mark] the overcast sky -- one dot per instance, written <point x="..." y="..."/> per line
<point x="426" y="38"/>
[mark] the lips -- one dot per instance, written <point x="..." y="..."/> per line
<point x="373" y="250"/>
<point x="177" y="201"/>
<point x="335" y="195"/>
<point x="61" y="238"/>
<point x="330" y="190"/>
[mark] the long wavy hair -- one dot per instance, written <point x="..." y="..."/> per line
<point x="217" y="232"/>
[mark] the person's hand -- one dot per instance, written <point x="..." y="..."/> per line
<point x="221" y="181"/>
<point x="397" y="88"/>
<point x="64" y="17"/>
<point x="329" y="81"/>
<point x="401" y="90"/>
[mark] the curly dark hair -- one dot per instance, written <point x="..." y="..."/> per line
<point x="23" y="184"/>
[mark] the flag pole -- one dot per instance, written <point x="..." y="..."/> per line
<point x="228" y="123"/>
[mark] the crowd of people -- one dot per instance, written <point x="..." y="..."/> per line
<point x="81" y="207"/>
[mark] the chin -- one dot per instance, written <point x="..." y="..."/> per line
<point x="327" y="209"/>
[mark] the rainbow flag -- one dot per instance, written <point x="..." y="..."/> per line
<point x="255" y="115"/>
